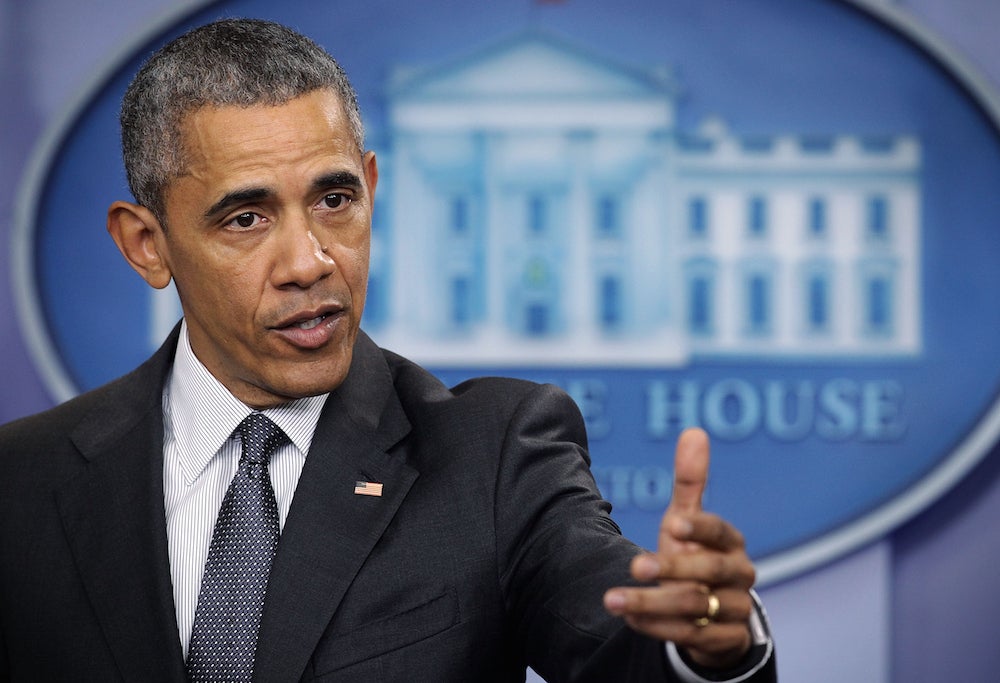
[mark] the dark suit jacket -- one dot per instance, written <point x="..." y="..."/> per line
<point x="488" y="551"/>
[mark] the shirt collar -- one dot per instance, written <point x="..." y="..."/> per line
<point x="201" y="414"/>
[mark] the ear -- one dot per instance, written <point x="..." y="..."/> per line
<point x="371" y="173"/>
<point x="140" y="239"/>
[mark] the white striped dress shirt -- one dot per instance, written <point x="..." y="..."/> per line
<point x="200" y="457"/>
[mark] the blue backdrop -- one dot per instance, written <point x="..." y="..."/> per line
<point x="929" y="574"/>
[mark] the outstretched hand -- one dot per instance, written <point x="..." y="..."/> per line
<point x="700" y="575"/>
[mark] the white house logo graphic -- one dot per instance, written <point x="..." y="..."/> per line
<point x="697" y="213"/>
<point x="565" y="219"/>
<point x="579" y="217"/>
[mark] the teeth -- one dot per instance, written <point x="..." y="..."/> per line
<point x="309" y="324"/>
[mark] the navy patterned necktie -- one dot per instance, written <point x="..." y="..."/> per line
<point x="227" y="619"/>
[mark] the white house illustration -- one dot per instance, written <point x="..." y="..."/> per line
<point x="544" y="208"/>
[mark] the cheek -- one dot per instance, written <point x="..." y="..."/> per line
<point x="358" y="275"/>
<point x="354" y="261"/>
<point x="355" y="273"/>
<point x="233" y="291"/>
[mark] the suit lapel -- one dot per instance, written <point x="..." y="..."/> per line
<point x="114" y="521"/>
<point x="330" y="530"/>
<point x="115" y="525"/>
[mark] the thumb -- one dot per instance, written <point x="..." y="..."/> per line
<point x="690" y="471"/>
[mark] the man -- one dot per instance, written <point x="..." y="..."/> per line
<point x="426" y="534"/>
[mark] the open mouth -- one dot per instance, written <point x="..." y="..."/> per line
<point x="311" y="323"/>
<point x="312" y="329"/>
<point x="308" y="319"/>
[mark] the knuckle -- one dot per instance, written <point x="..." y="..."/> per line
<point x="668" y="565"/>
<point x="738" y="539"/>
<point x="693" y="603"/>
<point x="635" y="601"/>
<point x="744" y="572"/>
<point x="718" y="568"/>
<point x="720" y="533"/>
<point x="665" y="523"/>
<point x="691" y="633"/>
<point x="741" y="608"/>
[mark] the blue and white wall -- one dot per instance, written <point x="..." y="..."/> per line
<point x="913" y="603"/>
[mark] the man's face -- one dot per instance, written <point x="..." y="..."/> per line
<point x="267" y="238"/>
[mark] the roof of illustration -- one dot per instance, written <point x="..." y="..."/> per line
<point x="531" y="64"/>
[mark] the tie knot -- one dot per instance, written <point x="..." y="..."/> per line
<point x="260" y="438"/>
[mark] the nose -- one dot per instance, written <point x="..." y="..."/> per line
<point x="301" y="260"/>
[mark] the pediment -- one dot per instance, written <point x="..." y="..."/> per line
<point x="531" y="65"/>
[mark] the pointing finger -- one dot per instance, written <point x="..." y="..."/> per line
<point x="690" y="471"/>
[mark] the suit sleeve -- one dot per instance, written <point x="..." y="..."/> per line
<point x="4" y="665"/>
<point x="560" y="551"/>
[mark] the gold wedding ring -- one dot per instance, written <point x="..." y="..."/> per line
<point x="713" y="611"/>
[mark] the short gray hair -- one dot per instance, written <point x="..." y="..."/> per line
<point x="231" y="62"/>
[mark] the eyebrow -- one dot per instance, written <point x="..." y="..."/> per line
<point x="237" y="197"/>
<point x="337" y="179"/>
<point x="257" y="194"/>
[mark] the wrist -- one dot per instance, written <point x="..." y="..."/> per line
<point x="727" y="659"/>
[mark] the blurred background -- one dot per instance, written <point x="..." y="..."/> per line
<point x="876" y="541"/>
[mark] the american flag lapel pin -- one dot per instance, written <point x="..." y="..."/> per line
<point x="367" y="488"/>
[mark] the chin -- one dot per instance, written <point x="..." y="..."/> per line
<point x="313" y="382"/>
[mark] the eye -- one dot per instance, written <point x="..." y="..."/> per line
<point x="245" y="221"/>
<point x="335" y="200"/>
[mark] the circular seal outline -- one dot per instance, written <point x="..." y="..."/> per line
<point x="772" y="569"/>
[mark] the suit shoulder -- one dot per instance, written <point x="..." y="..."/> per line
<point x="48" y="424"/>
<point x="488" y="402"/>
<point x="42" y="430"/>
<point x="127" y="397"/>
<point x="413" y="379"/>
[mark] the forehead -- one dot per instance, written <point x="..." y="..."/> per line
<point x="226" y="138"/>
